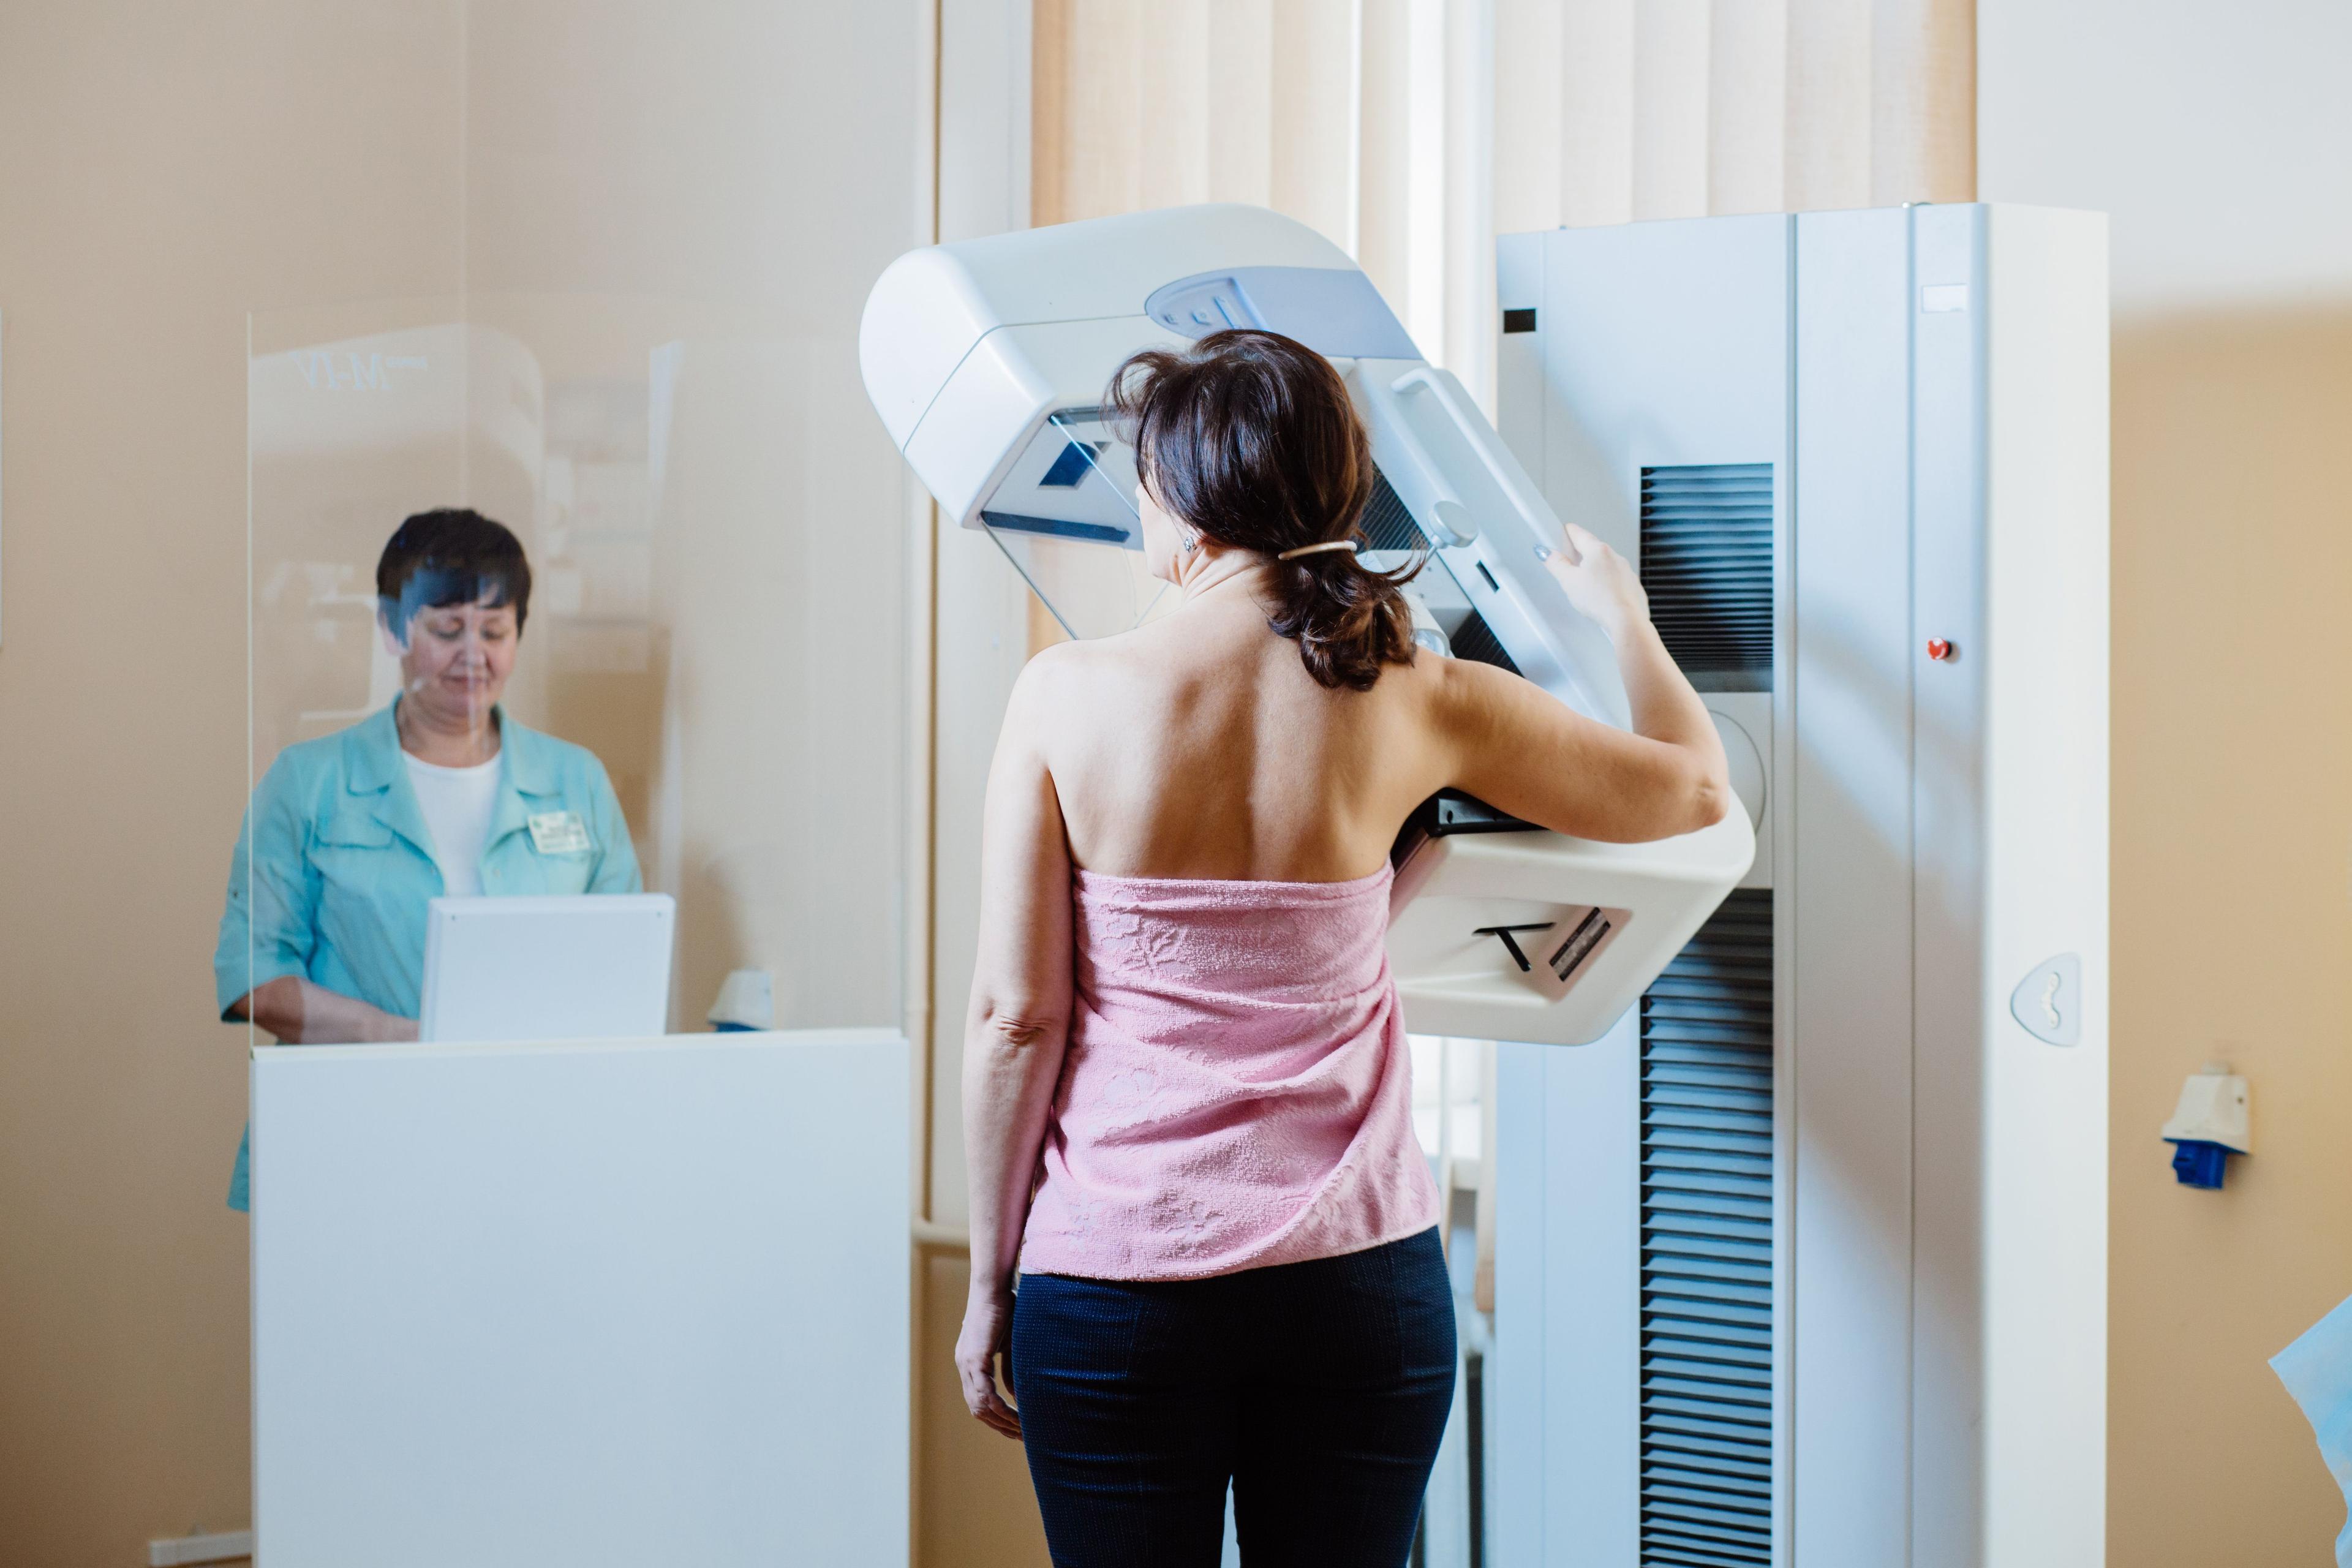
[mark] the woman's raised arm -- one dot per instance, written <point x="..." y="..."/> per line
<point x="1016" y="1030"/>
<point x="1519" y="749"/>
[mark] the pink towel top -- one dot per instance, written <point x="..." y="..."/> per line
<point x="1237" y="1090"/>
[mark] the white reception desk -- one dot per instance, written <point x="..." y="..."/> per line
<point x="618" y="1302"/>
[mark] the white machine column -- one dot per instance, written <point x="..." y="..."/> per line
<point x="1915" y="400"/>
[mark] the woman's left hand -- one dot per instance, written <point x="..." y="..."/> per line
<point x="987" y="1331"/>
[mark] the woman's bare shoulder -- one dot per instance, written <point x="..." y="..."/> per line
<point x="1155" y="654"/>
<point x="1465" y="691"/>
<point x="1432" y="687"/>
<point x="1066" y="679"/>
<point x="1047" y="675"/>
<point x="1063" y="669"/>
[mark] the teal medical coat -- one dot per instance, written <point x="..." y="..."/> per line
<point x="342" y="866"/>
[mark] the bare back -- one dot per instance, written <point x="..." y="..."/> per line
<point x="1199" y="746"/>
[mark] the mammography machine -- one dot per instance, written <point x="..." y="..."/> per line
<point x="1801" y="1256"/>
<point x="987" y="360"/>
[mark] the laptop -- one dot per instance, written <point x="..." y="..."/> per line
<point x="589" y="966"/>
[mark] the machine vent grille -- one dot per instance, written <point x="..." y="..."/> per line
<point x="1706" y="561"/>
<point x="1706" y="1247"/>
<point x="1474" y="638"/>
<point x="1387" y="524"/>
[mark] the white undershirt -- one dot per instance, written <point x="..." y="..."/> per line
<point x="458" y="804"/>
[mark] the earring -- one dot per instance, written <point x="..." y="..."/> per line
<point x="1191" y="539"/>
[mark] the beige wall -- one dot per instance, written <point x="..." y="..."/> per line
<point x="2217" y="137"/>
<point x="163" y="171"/>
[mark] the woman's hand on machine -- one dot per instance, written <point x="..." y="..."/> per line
<point x="987" y="1331"/>
<point x="1601" y="584"/>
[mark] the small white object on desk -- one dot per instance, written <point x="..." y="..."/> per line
<point x="747" y="1000"/>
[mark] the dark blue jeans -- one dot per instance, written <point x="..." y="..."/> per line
<point x="1319" y="1389"/>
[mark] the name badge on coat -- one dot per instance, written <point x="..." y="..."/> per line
<point x="559" y="833"/>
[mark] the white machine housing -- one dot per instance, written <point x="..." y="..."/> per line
<point x="987" y="360"/>
<point x="1804" y="1262"/>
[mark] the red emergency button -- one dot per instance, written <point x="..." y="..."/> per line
<point x="1941" y="648"/>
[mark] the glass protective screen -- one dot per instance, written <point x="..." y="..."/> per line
<point x="547" y="599"/>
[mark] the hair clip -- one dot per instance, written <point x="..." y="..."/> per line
<point x="1347" y="544"/>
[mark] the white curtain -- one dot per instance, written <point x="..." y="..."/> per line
<point x="1411" y="132"/>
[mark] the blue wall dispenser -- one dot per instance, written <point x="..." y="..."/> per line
<point x="2211" y="1123"/>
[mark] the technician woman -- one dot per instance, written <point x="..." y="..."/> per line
<point x="349" y="836"/>
<point x="1186" y="1093"/>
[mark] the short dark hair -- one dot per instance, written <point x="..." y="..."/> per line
<point x="1250" y="438"/>
<point x="450" y="556"/>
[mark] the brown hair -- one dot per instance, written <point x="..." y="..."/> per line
<point x="1249" y="437"/>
